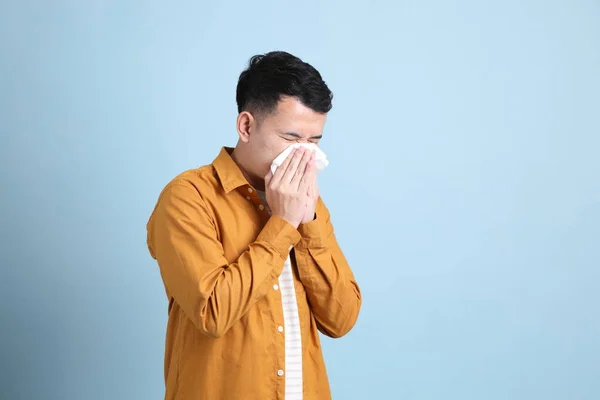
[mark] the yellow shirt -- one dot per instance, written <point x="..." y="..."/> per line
<point x="220" y="255"/>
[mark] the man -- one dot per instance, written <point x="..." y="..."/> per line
<point x="249" y="259"/>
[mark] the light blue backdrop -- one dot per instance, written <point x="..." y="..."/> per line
<point x="464" y="186"/>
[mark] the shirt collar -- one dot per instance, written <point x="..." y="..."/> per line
<point x="229" y="173"/>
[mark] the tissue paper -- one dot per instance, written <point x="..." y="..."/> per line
<point x="320" y="157"/>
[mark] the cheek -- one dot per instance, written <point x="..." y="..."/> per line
<point x="265" y="157"/>
<point x="279" y="146"/>
<point x="274" y="148"/>
<point x="268" y="155"/>
<point x="268" y="147"/>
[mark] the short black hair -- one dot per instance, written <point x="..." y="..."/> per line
<point x="275" y="74"/>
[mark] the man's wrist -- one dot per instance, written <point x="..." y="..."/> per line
<point x="280" y="234"/>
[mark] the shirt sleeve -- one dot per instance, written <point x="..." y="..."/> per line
<point x="212" y="292"/>
<point x="333" y="293"/>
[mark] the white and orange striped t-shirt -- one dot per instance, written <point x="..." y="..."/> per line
<point x="291" y="327"/>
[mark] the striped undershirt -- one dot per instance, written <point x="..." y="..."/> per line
<point x="291" y="327"/>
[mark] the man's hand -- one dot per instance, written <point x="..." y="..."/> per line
<point x="287" y="190"/>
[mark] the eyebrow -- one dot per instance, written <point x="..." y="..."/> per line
<point x="300" y="137"/>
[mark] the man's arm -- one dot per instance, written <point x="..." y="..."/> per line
<point x="333" y="293"/>
<point x="213" y="293"/>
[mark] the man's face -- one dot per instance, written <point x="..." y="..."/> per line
<point x="290" y="123"/>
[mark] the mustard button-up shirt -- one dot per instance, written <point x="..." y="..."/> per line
<point x="220" y="255"/>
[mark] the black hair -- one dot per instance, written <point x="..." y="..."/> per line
<point x="273" y="75"/>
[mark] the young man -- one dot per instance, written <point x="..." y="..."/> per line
<point x="249" y="259"/>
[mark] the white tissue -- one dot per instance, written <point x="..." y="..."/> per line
<point x="320" y="157"/>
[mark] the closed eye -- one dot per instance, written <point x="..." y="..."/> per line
<point x="294" y="137"/>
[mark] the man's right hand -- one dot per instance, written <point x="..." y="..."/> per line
<point x="287" y="189"/>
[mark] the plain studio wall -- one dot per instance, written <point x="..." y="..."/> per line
<point x="464" y="186"/>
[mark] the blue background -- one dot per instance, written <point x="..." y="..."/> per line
<point x="464" y="186"/>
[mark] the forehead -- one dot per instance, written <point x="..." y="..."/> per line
<point x="293" y="116"/>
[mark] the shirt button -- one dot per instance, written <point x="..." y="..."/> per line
<point x="275" y="287"/>
<point x="280" y="372"/>
<point x="280" y="328"/>
<point x="261" y="207"/>
<point x="247" y="197"/>
<point x="249" y="190"/>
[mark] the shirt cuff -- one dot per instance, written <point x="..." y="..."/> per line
<point x="312" y="235"/>
<point x="279" y="234"/>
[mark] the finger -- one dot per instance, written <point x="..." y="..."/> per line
<point x="313" y="190"/>
<point x="280" y="171"/>
<point x="312" y="170"/>
<point x="308" y="176"/>
<point x="268" y="177"/>
<point x="302" y="168"/>
<point x="294" y="165"/>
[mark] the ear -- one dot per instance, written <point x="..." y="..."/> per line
<point x="245" y="124"/>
